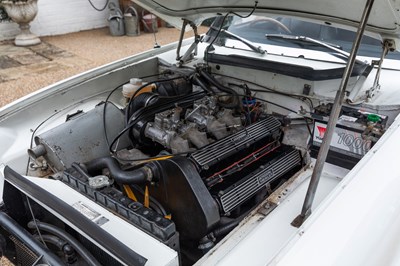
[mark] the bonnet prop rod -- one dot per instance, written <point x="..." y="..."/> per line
<point x="333" y="118"/>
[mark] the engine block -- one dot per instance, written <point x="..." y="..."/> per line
<point x="220" y="177"/>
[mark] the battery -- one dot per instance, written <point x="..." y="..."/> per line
<point x="355" y="134"/>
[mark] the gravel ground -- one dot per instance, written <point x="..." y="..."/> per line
<point x="82" y="51"/>
<point x="70" y="54"/>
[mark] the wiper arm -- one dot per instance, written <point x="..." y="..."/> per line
<point x="246" y="42"/>
<point x="294" y="38"/>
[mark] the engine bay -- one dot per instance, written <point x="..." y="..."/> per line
<point x="268" y="140"/>
<point x="185" y="156"/>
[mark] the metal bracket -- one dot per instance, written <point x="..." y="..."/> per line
<point x="267" y="208"/>
<point x="299" y="220"/>
<point x="387" y="45"/>
<point x="192" y="51"/>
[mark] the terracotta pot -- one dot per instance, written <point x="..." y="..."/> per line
<point x="23" y="13"/>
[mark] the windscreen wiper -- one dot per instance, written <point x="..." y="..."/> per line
<point x="257" y="49"/>
<point x="303" y="39"/>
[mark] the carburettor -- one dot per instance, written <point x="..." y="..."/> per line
<point x="185" y="131"/>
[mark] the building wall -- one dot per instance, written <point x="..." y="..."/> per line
<point x="59" y="17"/>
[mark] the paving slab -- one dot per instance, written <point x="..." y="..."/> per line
<point x="50" y="51"/>
<point x="8" y="62"/>
<point x="29" y="58"/>
<point x="7" y="48"/>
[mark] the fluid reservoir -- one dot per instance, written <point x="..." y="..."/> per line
<point x="129" y="89"/>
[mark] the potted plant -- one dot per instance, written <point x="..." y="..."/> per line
<point x="22" y="12"/>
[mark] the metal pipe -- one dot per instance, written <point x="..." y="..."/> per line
<point x="11" y="226"/>
<point x="37" y="151"/>
<point x="387" y="46"/>
<point x="326" y="142"/>
<point x="178" y="49"/>
<point x="385" y="50"/>
<point x="80" y="170"/>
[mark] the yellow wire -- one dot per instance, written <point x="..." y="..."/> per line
<point x="163" y="158"/>
<point x="130" y="193"/>
<point x="158" y="159"/>
<point x="146" y="202"/>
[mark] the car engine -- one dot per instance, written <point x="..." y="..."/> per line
<point x="184" y="161"/>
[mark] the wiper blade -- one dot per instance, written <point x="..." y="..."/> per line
<point x="294" y="38"/>
<point x="257" y="49"/>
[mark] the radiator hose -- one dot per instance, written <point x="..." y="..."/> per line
<point x="137" y="176"/>
<point x="79" y="248"/>
<point x="228" y="224"/>
<point x="226" y="228"/>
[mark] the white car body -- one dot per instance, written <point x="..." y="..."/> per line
<point x="355" y="217"/>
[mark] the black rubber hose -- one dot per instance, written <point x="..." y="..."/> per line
<point x="226" y="228"/>
<point x="214" y="82"/>
<point x="79" y="248"/>
<point x="62" y="245"/>
<point x="29" y="241"/>
<point x="202" y="85"/>
<point x="54" y="240"/>
<point x="225" y="220"/>
<point x="227" y="224"/>
<point x="137" y="176"/>
<point x="222" y="88"/>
